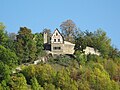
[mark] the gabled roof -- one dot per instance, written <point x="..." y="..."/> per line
<point x="58" y="32"/>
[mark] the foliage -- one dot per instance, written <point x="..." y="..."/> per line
<point x="25" y="45"/>
<point x="97" y="39"/>
<point x="3" y="37"/>
<point x="68" y="28"/>
<point x="92" y="74"/>
<point x="35" y="84"/>
<point x="60" y="72"/>
<point x="43" y="73"/>
<point x="4" y="72"/>
<point x="29" y="72"/>
<point x="83" y="85"/>
<point x="102" y="42"/>
<point x="10" y="43"/>
<point x="18" y="82"/>
<point x="7" y="40"/>
<point x="3" y="86"/>
<point x="113" y="69"/>
<point x="80" y="57"/>
<point x="80" y="42"/>
<point x="49" y="86"/>
<point x="114" y="53"/>
<point x="38" y="37"/>
<point x="8" y="57"/>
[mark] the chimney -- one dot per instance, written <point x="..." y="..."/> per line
<point x="45" y="37"/>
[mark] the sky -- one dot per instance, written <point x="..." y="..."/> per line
<point x="40" y="14"/>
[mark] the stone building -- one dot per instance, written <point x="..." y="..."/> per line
<point x="90" y="50"/>
<point x="58" y="45"/>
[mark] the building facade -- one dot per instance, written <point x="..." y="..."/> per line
<point x="58" y="45"/>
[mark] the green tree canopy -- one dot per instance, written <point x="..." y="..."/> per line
<point x="3" y="36"/>
<point x="98" y="40"/>
<point x="38" y="37"/>
<point x="35" y="85"/>
<point x="25" y="45"/>
<point x="4" y="72"/>
<point x="18" y="82"/>
<point x="8" y="57"/>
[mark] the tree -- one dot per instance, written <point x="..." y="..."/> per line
<point x="42" y="72"/>
<point x="89" y="37"/>
<point x="83" y="85"/>
<point x="7" y="40"/>
<point x="62" y="79"/>
<point x="3" y="37"/>
<point x="10" y="43"/>
<point x="49" y="86"/>
<point x="18" y="82"/>
<point x="114" y="53"/>
<point x="102" y="42"/>
<point x="35" y="85"/>
<point x="29" y="72"/>
<point x="8" y="57"/>
<point x="98" y="40"/>
<point x="80" y="42"/>
<point x="80" y="57"/>
<point x="25" y="45"/>
<point x="4" y="72"/>
<point x="45" y="73"/>
<point x="39" y="44"/>
<point x="3" y="86"/>
<point x="68" y="28"/>
<point x="112" y="69"/>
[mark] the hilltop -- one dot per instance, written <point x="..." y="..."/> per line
<point x="60" y="70"/>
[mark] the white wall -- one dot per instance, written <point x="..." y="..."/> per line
<point x="90" y="50"/>
<point x="56" y="35"/>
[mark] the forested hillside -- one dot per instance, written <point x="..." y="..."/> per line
<point x="58" y="72"/>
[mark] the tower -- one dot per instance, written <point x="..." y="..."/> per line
<point x="45" y="37"/>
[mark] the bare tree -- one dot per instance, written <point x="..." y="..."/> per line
<point x="68" y="28"/>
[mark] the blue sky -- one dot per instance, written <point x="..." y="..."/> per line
<point x="39" y="14"/>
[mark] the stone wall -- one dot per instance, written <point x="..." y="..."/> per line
<point x="90" y="50"/>
<point x="68" y="48"/>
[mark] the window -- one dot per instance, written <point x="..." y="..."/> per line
<point x="56" y="48"/>
<point x="56" y="34"/>
<point x="58" y="40"/>
<point x="54" y="40"/>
